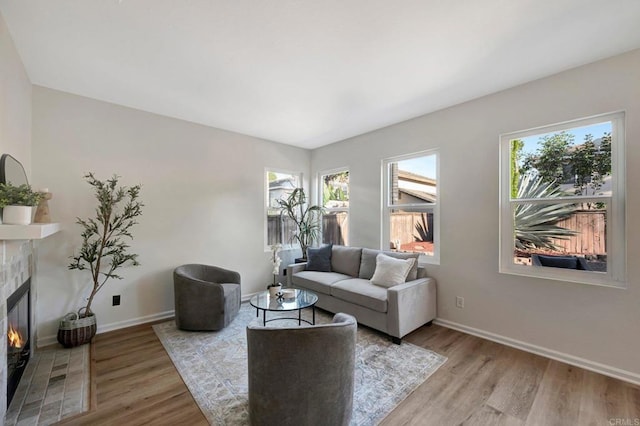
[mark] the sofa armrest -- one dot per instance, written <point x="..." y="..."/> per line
<point x="410" y="305"/>
<point x="294" y="268"/>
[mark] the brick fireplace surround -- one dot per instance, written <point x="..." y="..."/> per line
<point x="17" y="266"/>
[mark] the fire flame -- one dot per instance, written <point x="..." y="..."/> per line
<point x="14" y="337"/>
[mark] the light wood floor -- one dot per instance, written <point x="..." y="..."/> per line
<point x="482" y="383"/>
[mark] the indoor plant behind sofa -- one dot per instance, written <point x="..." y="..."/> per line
<point x="346" y="287"/>
<point x="305" y="217"/>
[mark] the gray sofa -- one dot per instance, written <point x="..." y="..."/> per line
<point x="396" y="310"/>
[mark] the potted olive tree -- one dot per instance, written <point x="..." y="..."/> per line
<point x="306" y="218"/>
<point x="103" y="250"/>
<point x="17" y="203"/>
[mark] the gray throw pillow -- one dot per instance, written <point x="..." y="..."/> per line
<point x="319" y="259"/>
<point x="368" y="263"/>
<point x="346" y="260"/>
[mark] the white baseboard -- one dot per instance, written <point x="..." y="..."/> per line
<point x="135" y="321"/>
<point x="52" y="339"/>
<point x="606" y="370"/>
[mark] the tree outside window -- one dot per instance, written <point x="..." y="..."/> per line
<point x="334" y="187"/>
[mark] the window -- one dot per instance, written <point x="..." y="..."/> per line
<point x="562" y="201"/>
<point x="334" y="189"/>
<point x="279" y="229"/>
<point x="410" y="214"/>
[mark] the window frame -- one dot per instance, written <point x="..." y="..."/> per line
<point x="265" y="216"/>
<point x="321" y="175"/>
<point x="434" y="208"/>
<point x="615" y="276"/>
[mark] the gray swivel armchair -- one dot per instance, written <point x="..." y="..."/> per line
<point x="206" y="297"/>
<point x="302" y="375"/>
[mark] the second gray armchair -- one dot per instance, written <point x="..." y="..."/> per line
<point x="302" y="376"/>
<point x="206" y="297"/>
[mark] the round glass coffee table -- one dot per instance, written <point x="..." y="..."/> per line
<point x="302" y="299"/>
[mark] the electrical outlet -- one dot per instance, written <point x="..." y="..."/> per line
<point x="460" y="302"/>
<point x="116" y="300"/>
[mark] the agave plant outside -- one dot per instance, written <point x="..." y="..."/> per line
<point x="536" y="223"/>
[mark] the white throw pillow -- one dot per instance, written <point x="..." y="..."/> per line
<point x="391" y="271"/>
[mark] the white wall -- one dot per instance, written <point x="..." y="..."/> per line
<point x="15" y="102"/>
<point x="202" y="190"/>
<point x="595" y="323"/>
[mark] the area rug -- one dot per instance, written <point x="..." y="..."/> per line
<point x="214" y="367"/>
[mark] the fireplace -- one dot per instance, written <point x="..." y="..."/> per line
<point x="18" y="332"/>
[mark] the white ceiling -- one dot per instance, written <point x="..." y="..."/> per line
<point x="308" y="72"/>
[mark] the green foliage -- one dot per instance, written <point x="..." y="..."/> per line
<point x="516" y="154"/>
<point x="550" y="158"/>
<point x="591" y="165"/>
<point x="558" y="160"/>
<point x="18" y="195"/>
<point x="103" y="248"/>
<point x="536" y="224"/>
<point x="333" y="194"/>
<point x="306" y="218"/>
<point x="331" y="191"/>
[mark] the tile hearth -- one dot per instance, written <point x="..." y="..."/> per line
<point x="54" y="385"/>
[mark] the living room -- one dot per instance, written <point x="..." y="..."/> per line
<point x="204" y="187"/>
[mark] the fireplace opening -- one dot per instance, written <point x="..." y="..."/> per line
<point x="18" y="332"/>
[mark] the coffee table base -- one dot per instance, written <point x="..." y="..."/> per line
<point x="300" y="319"/>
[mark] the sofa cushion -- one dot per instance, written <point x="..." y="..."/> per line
<point x="390" y="271"/>
<point x="317" y="281"/>
<point x="319" y="259"/>
<point x="346" y="260"/>
<point x="368" y="263"/>
<point x="361" y="292"/>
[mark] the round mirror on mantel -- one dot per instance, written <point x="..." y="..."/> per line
<point x="11" y="171"/>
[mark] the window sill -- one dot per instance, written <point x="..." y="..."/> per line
<point x="600" y="279"/>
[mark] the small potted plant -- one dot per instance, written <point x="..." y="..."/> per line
<point x="17" y="203"/>
<point x="103" y="250"/>
<point x="275" y="287"/>
<point x="306" y="218"/>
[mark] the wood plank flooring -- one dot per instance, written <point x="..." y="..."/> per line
<point x="486" y="383"/>
<point x="136" y="383"/>
<point x="482" y="383"/>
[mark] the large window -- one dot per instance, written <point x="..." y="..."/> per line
<point x="334" y="190"/>
<point x="562" y="201"/>
<point x="279" y="184"/>
<point x="411" y="215"/>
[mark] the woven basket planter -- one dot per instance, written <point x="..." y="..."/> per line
<point x="76" y="330"/>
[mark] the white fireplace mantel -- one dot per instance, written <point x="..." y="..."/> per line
<point x="36" y="231"/>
